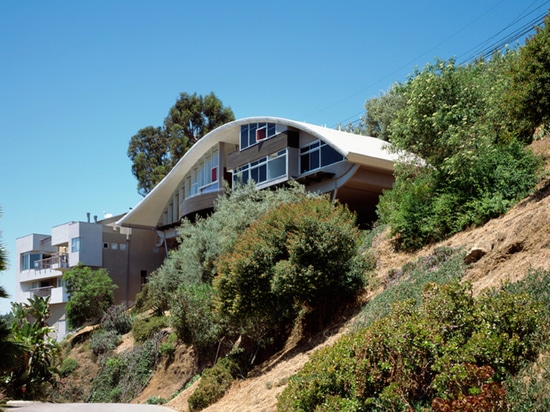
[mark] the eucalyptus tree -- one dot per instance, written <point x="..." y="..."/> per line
<point x="155" y="150"/>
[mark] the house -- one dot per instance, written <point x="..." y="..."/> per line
<point x="270" y="151"/>
<point x="127" y="254"/>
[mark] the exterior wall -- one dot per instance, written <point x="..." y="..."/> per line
<point x="128" y="255"/>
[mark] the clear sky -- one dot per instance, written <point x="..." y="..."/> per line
<point x="79" y="78"/>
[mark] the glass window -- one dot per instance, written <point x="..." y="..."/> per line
<point x="316" y="155"/>
<point x="262" y="170"/>
<point x="255" y="132"/>
<point x="30" y="261"/>
<point x="75" y="244"/>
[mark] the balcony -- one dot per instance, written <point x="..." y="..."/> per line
<point x="56" y="294"/>
<point x="57" y="261"/>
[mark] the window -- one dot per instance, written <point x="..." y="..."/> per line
<point x="75" y="244"/>
<point x="122" y="246"/>
<point x="256" y="132"/>
<point x="114" y="246"/>
<point x="105" y="245"/>
<point x="30" y="260"/>
<point x="316" y="155"/>
<point x="204" y="176"/>
<point x="262" y="170"/>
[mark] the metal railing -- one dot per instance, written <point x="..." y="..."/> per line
<point x="42" y="292"/>
<point x="57" y="260"/>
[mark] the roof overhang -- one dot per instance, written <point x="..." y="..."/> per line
<point x="363" y="150"/>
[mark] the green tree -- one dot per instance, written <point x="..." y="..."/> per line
<point x="528" y="98"/>
<point x="154" y="151"/>
<point x="90" y="294"/>
<point x="381" y="111"/>
<point x="471" y="169"/>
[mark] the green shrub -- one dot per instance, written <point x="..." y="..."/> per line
<point x="192" y="315"/>
<point x="298" y="257"/>
<point x="104" y="341"/>
<point x="122" y="377"/>
<point x="156" y="400"/>
<point x="215" y="381"/>
<point x="117" y="318"/>
<point x="68" y="367"/>
<point x="146" y="328"/>
<point x="203" y="241"/>
<point x="168" y="348"/>
<point x="449" y="348"/>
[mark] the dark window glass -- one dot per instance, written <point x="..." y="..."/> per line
<point x="329" y="156"/>
<point x="244" y="136"/>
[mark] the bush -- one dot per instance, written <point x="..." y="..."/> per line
<point x="68" y="367"/>
<point x="450" y="348"/>
<point x="146" y="328"/>
<point x="203" y="241"/>
<point x="215" y="381"/>
<point x="298" y="257"/>
<point x="192" y="315"/>
<point x="104" y="341"/>
<point x="117" y="318"/>
<point x="122" y="377"/>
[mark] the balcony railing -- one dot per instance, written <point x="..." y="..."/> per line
<point x="56" y="261"/>
<point x="42" y="292"/>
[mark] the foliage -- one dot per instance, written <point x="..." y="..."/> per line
<point x="443" y="265"/>
<point x="35" y="369"/>
<point x="3" y="262"/>
<point x="192" y="315"/>
<point x="380" y="111"/>
<point x="104" y="341"/>
<point x="298" y="257"/>
<point x="154" y="151"/>
<point x="472" y="167"/>
<point x="202" y="242"/>
<point x="117" y="318"/>
<point x="146" y="328"/>
<point x="528" y="98"/>
<point x="451" y="347"/>
<point x="90" y="294"/>
<point x="68" y="367"/>
<point x="215" y="381"/>
<point x="122" y="377"/>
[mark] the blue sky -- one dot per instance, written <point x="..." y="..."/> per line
<point x="79" y="78"/>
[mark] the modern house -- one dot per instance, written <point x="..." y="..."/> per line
<point x="128" y="255"/>
<point x="270" y="151"/>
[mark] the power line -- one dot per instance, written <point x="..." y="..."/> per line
<point x="483" y="49"/>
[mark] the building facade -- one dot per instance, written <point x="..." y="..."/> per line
<point x="127" y="254"/>
<point x="270" y="151"/>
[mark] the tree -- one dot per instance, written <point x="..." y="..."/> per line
<point x="380" y="112"/>
<point x="90" y="294"/>
<point x="36" y="368"/>
<point x="154" y="151"/>
<point x="529" y="94"/>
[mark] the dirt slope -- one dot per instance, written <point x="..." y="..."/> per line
<point x="512" y="244"/>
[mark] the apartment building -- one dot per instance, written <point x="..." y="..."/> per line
<point x="128" y="254"/>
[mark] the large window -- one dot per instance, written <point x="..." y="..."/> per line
<point x="30" y="260"/>
<point x="204" y="177"/>
<point x="316" y="155"/>
<point x="256" y="132"/>
<point x="263" y="170"/>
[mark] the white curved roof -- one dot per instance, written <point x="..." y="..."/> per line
<point x="355" y="148"/>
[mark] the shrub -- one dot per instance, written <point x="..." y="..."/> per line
<point x="449" y="349"/>
<point x="203" y="241"/>
<point x="192" y="315"/>
<point x="68" y="367"/>
<point x="122" y="377"/>
<point x="117" y="318"/>
<point x="298" y="257"/>
<point x="146" y="328"/>
<point x="104" y="341"/>
<point x="215" y="381"/>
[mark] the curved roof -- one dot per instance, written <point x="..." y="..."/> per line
<point x="355" y="148"/>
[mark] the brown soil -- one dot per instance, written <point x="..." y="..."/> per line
<point x="513" y="244"/>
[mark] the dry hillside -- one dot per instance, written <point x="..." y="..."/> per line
<point x="508" y="246"/>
